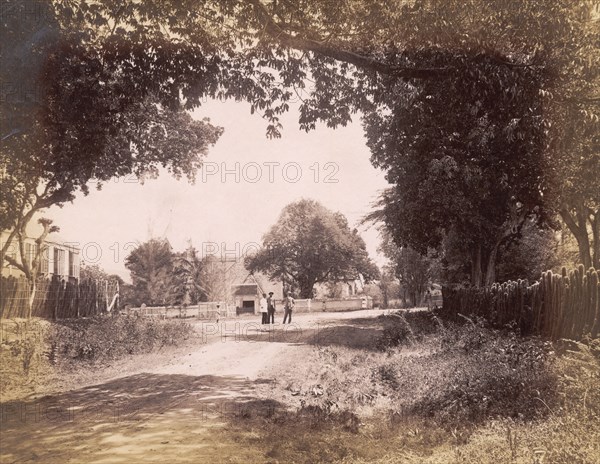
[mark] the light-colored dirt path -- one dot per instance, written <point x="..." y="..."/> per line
<point x="177" y="410"/>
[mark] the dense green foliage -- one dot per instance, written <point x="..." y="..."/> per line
<point x="107" y="338"/>
<point x="310" y="244"/>
<point x="162" y="276"/>
<point x="151" y="267"/>
<point x="482" y="113"/>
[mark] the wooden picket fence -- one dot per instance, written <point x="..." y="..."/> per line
<point x="55" y="299"/>
<point x="565" y="305"/>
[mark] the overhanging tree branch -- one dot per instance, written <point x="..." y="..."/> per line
<point x="275" y="31"/>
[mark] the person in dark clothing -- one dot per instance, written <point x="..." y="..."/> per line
<point x="271" y="309"/>
<point x="288" y="306"/>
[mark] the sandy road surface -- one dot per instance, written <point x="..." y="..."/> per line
<point x="173" y="410"/>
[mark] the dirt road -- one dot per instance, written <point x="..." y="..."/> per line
<point x="175" y="408"/>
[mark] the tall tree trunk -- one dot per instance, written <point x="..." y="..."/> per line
<point x="579" y="230"/>
<point x="596" y="240"/>
<point x="32" y="291"/>
<point x="306" y="288"/>
<point x="386" y="300"/>
<point x="490" y="270"/>
<point x="476" y="274"/>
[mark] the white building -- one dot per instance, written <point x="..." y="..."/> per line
<point x="58" y="258"/>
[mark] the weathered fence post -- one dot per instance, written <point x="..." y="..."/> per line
<point x="556" y="306"/>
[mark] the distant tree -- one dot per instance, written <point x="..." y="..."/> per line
<point x="338" y="289"/>
<point x="215" y="278"/>
<point x="92" y="272"/>
<point x="578" y="160"/>
<point x="189" y="276"/>
<point x="374" y="291"/>
<point x="95" y="272"/>
<point x="151" y="267"/>
<point x="333" y="290"/>
<point x="414" y="271"/>
<point x="127" y="294"/>
<point x="567" y="252"/>
<point x="310" y="244"/>
<point x="389" y="286"/>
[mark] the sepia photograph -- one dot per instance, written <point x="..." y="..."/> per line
<point x="300" y="231"/>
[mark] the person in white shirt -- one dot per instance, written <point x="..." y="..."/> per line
<point x="264" y="309"/>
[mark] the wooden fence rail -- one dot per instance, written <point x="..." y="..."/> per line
<point x="565" y="305"/>
<point x="55" y="299"/>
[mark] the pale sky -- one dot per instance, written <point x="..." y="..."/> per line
<point x="236" y="212"/>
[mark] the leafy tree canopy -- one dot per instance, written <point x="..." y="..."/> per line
<point x="474" y="165"/>
<point x="89" y="120"/>
<point x="468" y="103"/>
<point x="310" y="244"/>
<point x="265" y="52"/>
<point x="151" y="267"/>
<point x="511" y="69"/>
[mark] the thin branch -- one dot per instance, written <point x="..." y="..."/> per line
<point x="25" y="265"/>
<point x="10" y="260"/>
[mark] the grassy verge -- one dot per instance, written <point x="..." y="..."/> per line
<point x="433" y="393"/>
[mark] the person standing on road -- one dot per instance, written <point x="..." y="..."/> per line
<point x="263" y="308"/>
<point x="428" y="298"/>
<point x="271" y="309"/>
<point x="218" y="313"/>
<point x="288" y="306"/>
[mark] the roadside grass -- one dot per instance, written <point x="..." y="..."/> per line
<point x="435" y="393"/>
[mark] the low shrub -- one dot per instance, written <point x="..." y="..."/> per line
<point x="407" y="327"/>
<point x="451" y="373"/>
<point x="326" y="415"/>
<point x="22" y="354"/>
<point x="396" y="332"/>
<point x="478" y="373"/>
<point x="107" y="338"/>
<point x="387" y="375"/>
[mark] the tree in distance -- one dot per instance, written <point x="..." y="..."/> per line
<point x="151" y="267"/>
<point x="310" y="244"/>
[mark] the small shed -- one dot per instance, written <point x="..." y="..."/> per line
<point x="247" y="294"/>
<point x="246" y="298"/>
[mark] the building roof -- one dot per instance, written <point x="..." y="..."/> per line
<point x="51" y="239"/>
<point x="245" y="289"/>
<point x="56" y="239"/>
<point x="241" y="282"/>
